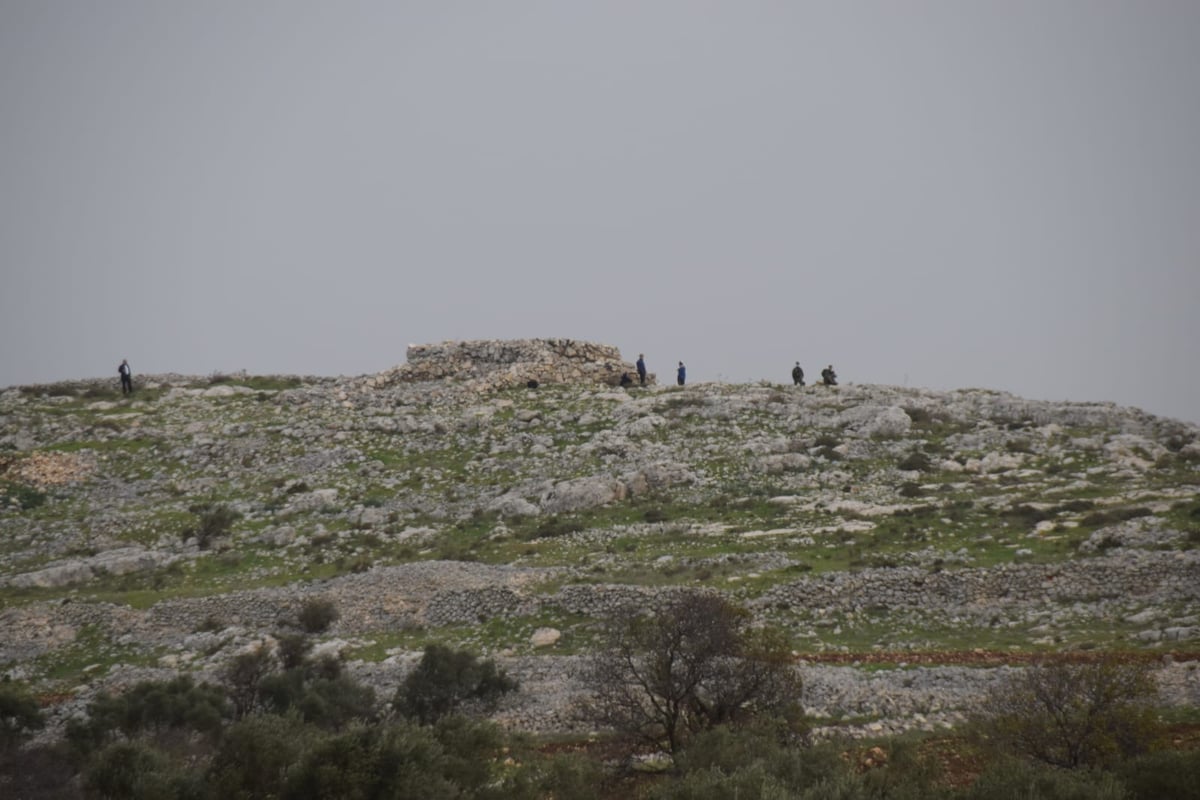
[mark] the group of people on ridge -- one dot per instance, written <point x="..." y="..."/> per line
<point x="828" y="376"/>
<point x="680" y="373"/>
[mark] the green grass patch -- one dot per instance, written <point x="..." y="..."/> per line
<point x="488" y="637"/>
<point x="90" y="656"/>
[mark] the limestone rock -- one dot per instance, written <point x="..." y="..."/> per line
<point x="581" y="493"/>
<point x="545" y="637"/>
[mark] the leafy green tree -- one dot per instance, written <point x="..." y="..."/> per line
<point x="444" y="679"/>
<point x="1074" y="715"/>
<point x="136" y="771"/>
<point x="397" y="761"/>
<point x="255" y="755"/>
<point x="155" y="707"/>
<point x="327" y="702"/>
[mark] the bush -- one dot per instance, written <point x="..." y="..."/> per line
<point x="1074" y="715"/>
<point x="317" y="614"/>
<point x="444" y="679"/>
<point x="691" y="666"/>
<point x="1167" y="773"/>
<point x="133" y="771"/>
<point x="1039" y="782"/>
<point x="155" y="707"/>
<point x="916" y="461"/>
<point x="255" y="755"/>
<point x="399" y="760"/>
<point x="910" y="490"/>
<point x="728" y="750"/>
<point x="293" y="649"/>
<point x="243" y="676"/>
<point x="213" y="521"/>
<point x="1114" y="515"/>
<point x="23" y="497"/>
<point x="325" y="702"/>
<point x="19" y="715"/>
<point x="570" y="775"/>
<point x="555" y="526"/>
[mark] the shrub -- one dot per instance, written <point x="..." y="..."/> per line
<point x="133" y="771"/>
<point x="255" y="754"/>
<point x="23" y="497"/>
<point x="1010" y="780"/>
<point x="151" y="706"/>
<point x="554" y="526"/>
<point x="317" y="614"/>
<point x="1114" y="515"/>
<point x="212" y="522"/>
<point x="1074" y="715"/>
<point x="400" y="760"/>
<point x="293" y="649"/>
<point x="1162" y="774"/>
<point x="916" y="461"/>
<point x="329" y="702"/>
<point x="446" y="678"/>
<point x="691" y="666"/>
<point x="570" y="775"/>
<point x="918" y="415"/>
<point x="243" y="676"/>
<point x="19" y="715"/>
<point x="656" y="515"/>
<point x="910" y="489"/>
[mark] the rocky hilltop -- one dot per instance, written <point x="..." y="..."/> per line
<point x="487" y="365"/>
<point x="942" y="537"/>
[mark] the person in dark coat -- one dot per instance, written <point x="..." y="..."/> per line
<point x="828" y="376"/>
<point x="626" y="380"/>
<point x="126" y="377"/>
<point x="681" y="374"/>
<point x="797" y="375"/>
<point x="641" y="369"/>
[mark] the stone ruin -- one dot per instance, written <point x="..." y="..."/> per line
<point x="487" y="364"/>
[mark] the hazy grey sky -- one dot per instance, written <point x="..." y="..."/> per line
<point x="943" y="194"/>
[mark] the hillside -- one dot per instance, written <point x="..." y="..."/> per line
<point x="910" y="542"/>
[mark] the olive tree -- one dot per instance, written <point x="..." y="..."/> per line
<point x="692" y="665"/>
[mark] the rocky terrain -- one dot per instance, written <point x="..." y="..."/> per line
<point x="892" y="533"/>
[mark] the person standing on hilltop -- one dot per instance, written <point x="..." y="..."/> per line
<point x="641" y="369"/>
<point x="797" y="375"/>
<point x="681" y="374"/>
<point x="126" y="377"/>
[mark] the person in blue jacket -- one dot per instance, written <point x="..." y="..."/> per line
<point x="681" y="374"/>
<point x="641" y="369"/>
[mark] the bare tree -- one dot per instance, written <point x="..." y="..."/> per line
<point x="1074" y="715"/>
<point x="695" y="664"/>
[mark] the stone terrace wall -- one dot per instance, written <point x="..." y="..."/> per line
<point x="501" y="364"/>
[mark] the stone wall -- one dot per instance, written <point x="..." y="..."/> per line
<point x="500" y="364"/>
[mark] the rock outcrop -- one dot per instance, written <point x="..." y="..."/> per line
<point x="500" y="364"/>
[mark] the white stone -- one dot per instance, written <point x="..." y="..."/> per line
<point x="545" y="637"/>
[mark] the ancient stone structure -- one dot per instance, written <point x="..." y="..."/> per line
<point x="487" y="364"/>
